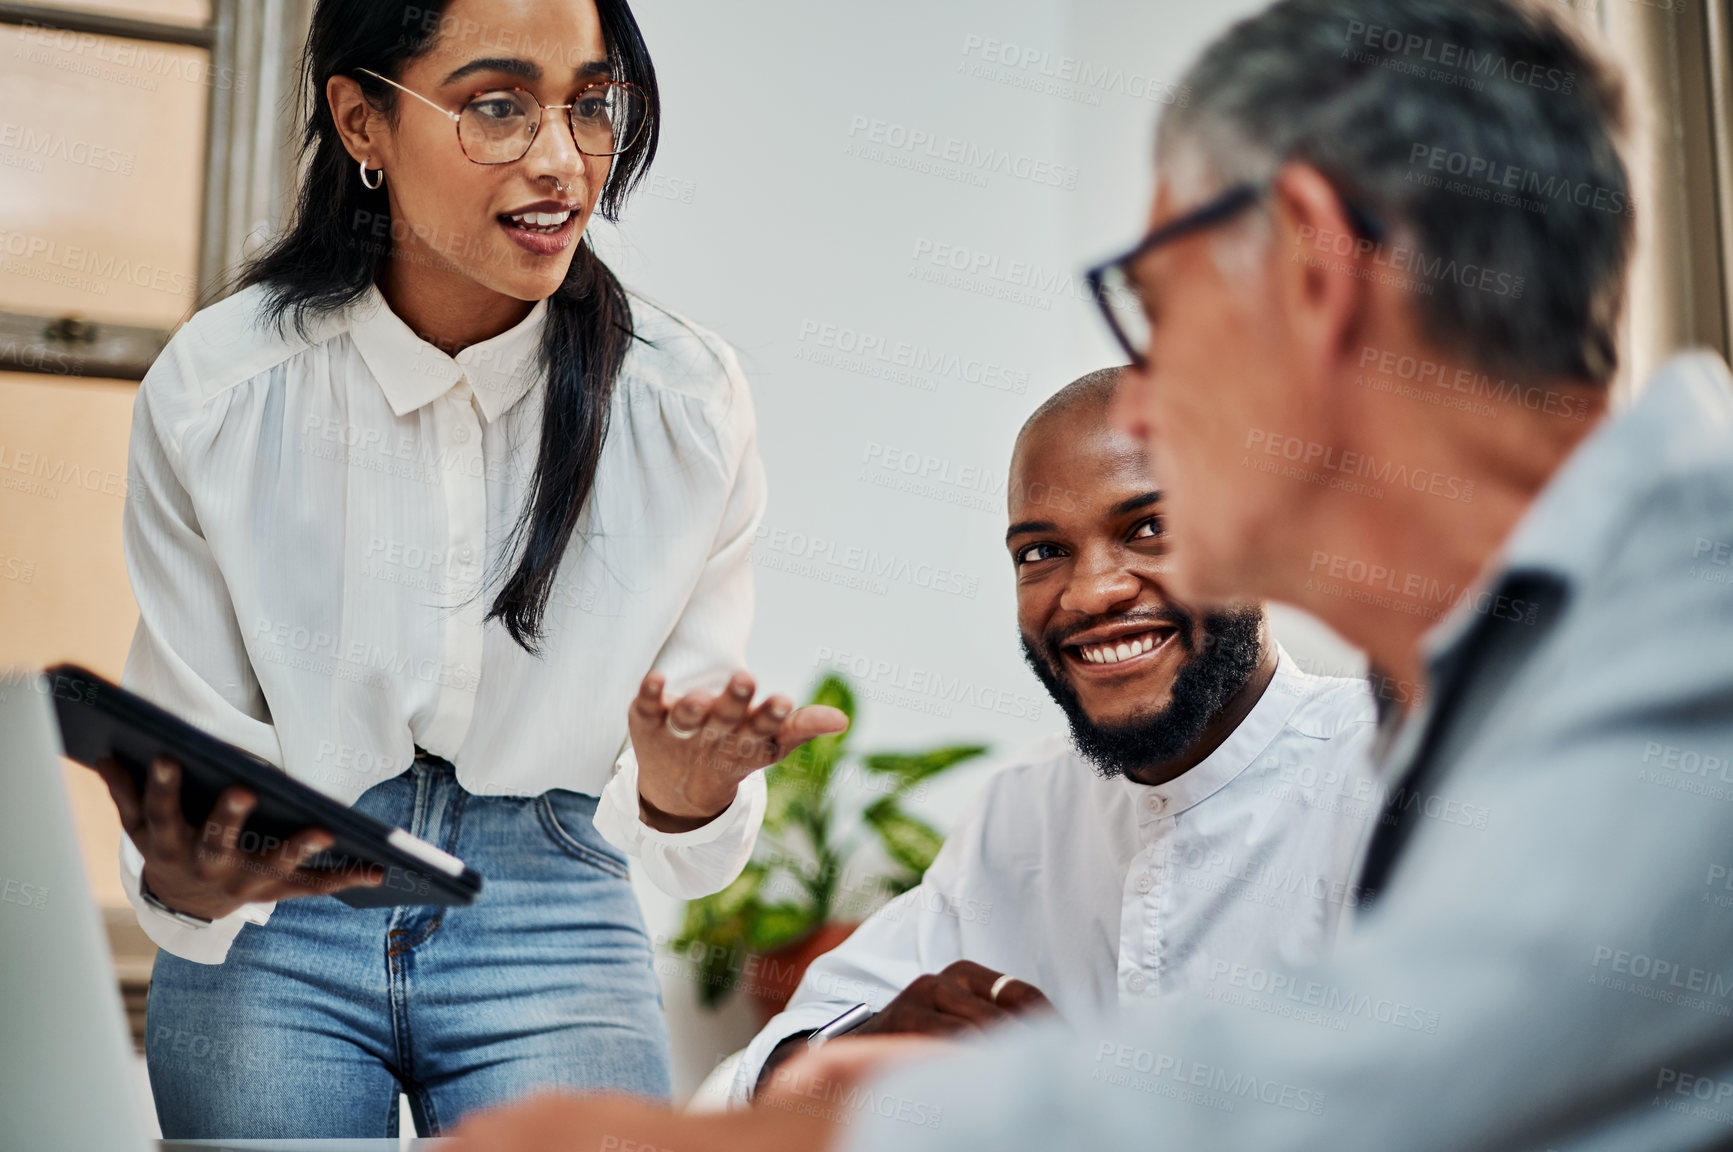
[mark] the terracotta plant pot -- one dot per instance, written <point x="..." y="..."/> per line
<point x="770" y="978"/>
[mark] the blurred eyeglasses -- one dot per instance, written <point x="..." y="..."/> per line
<point x="497" y="126"/>
<point x="1113" y="283"/>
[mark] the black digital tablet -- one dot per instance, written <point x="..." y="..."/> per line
<point x="101" y="720"/>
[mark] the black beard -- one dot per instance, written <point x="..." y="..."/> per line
<point x="1222" y="658"/>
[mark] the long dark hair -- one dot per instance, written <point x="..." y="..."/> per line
<point x="331" y="255"/>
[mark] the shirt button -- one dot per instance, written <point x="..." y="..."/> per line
<point x="465" y="553"/>
<point x="1155" y="802"/>
<point x="1136" y="981"/>
<point x="460" y="433"/>
<point x="1144" y="883"/>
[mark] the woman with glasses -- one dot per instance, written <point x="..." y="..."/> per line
<point x="435" y="516"/>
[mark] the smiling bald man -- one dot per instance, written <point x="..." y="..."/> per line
<point x="1203" y="823"/>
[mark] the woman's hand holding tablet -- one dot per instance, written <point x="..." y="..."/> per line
<point x="219" y="828"/>
<point x="205" y="873"/>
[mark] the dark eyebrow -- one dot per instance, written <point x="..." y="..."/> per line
<point x="595" y="68"/>
<point x="1130" y="505"/>
<point x="510" y="65"/>
<point x="1136" y="502"/>
<point x="1023" y="526"/>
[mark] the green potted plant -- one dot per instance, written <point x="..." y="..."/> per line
<point x="789" y="905"/>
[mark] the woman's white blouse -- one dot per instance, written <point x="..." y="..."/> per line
<point x="317" y="524"/>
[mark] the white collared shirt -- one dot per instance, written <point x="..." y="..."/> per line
<point x="316" y="526"/>
<point x="1106" y="893"/>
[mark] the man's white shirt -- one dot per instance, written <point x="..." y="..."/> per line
<point x="1106" y="893"/>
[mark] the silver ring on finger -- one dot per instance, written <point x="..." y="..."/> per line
<point x="999" y="986"/>
<point x="678" y="732"/>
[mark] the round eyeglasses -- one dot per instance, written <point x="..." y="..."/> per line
<point x="497" y="126"/>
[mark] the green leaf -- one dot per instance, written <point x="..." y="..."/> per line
<point x="718" y="969"/>
<point x="785" y="799"/>
<point x="910" y="768"/>
<point x="826" y="752"/>
<point x="834" y="691"/>
<point x="796" y="787"/>
<point x="732" y="900"/>
<point x="779" y="924"/>
<point x="714" y="930"/>
<point x="910" y="842"/>
<point x="799" y="782"/>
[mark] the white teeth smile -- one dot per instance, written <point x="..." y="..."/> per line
<point x="1123" y="650"/>
<point x="540" y="221"/>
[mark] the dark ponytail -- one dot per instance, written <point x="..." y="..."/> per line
<point x="338" y="245"/>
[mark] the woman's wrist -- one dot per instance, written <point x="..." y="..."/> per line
<point x="675" y="822"/>
<point x="188" y="918"/>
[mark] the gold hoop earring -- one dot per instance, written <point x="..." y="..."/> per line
<point x="377" y="184"/>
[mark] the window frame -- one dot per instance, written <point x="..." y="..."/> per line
<point x="248" y="166"/>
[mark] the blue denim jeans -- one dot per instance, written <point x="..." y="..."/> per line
<point x="319" y="1018"/>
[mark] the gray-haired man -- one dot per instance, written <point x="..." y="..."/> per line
<point x="1377" y="388"/>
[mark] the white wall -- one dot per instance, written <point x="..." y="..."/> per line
<point x="767" y="223"/>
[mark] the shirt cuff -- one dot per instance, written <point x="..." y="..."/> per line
<point x="794" y="1021"/>
<point x="208" y="944"/>
<point x="685" y="865"/>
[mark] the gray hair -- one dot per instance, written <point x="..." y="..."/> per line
<point x="1485" y="134"/>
